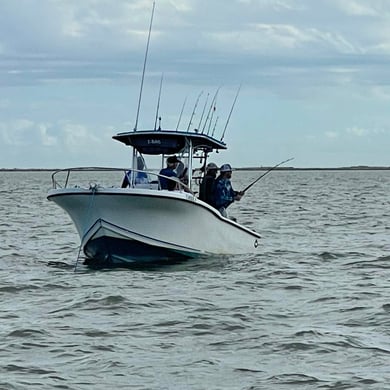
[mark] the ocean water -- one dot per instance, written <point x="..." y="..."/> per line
<point x="310" y="309"/>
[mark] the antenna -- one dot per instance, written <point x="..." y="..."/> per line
<point x="230" y="114"/>
<point x="181" y="113"/>
<point x="158" y="102"/>
<point x="143" y="71"/>
<point x="193" y="111"/>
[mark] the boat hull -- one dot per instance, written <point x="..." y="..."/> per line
<point x="119" y="226"/>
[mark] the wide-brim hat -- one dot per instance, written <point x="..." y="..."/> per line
<point x="211" y="166"/>
<point x="226" y="168"/>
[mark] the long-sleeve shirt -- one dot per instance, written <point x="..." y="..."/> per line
<point x="207" y="190"/>
<point x="167" y="184"/>
<point x="224" y="193"/>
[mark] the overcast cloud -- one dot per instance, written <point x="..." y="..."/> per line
<point x="315" y="78"/>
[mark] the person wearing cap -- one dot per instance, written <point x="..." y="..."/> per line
<point x="224" y="193"/>
<point x="207" y="186"/>
<point x="169" y="171"/>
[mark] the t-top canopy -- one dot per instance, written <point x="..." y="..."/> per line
<point x="167" y="141"/>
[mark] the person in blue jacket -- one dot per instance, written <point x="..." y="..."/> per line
<point x="224" y="192"/>
<point x="166" y="184"/>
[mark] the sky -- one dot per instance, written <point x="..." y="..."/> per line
<point x="314" y="76"/>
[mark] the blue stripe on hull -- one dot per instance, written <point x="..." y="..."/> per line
<point x="116" y="252"/>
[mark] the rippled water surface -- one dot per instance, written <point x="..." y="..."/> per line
<point x="309" y="310"/>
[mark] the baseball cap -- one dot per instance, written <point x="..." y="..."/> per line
<point x="172" y="160"/>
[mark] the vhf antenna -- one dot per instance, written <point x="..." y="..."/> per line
<point x="143" y="71"/>
<point x="158" y="103"/>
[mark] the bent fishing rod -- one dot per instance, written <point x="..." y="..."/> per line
<point x="266" y="173"/>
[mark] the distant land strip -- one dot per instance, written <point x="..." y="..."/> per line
<point x="351" y="168"/>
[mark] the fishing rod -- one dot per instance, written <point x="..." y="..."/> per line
<point x="193" y="111"/>
<point x="158" y="101"/>
<point x="230" y="114"/>
<point x="181" y="113"/>
<point x="143" y="71"/>
<point x="215" y="125"/>
<point x="204" y="108"/>
<point x="266" y="173"/>
<point x="212" y="115"/>
<point x="211" y="107"/>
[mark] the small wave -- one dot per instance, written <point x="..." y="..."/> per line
<point x="293" y="287"/>
<point x="331" y="255"/>
<point x="296" y="346"/>
<point x="8" y="385"/>
<point x="351" y="342"/>
<point x="294" y="379"/>
<point x="29" y="370"/>
<point x="8" y="316"/>
<point x="26" y="333"/>
<point x="18" y="288"/>
<point x="384" y="258"/>
<point x="248" y="370"/>
<point x="324" y="299"/>
<point x="339" y="385"/>
<point x="172" y="323"/>
<point x="380" y="262"/>
<point x="97" y="333"/>
<point x="60" y="264"/>
<point x="303" y="333"/>
<point x="366" y="381"/>
<point x="105" y="348"/>
<point x="204" y="361"/>
<point x="355" y="308"/>
<point x="90" y="304"/>
<point x="111" y="301"/>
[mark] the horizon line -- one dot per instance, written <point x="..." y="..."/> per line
<point x="261" y="168"/>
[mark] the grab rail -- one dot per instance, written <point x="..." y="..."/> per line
<point x="57" y="183"/>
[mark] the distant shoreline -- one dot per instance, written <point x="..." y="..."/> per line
<point x="352" y="168"/>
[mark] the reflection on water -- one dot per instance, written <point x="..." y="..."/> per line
<point x="309" y="309"/>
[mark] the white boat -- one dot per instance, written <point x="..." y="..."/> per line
<point x="143" y="223"/>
